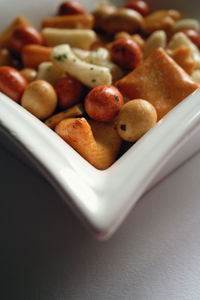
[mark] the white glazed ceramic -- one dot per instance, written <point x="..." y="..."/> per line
<point x="101" y="198"/>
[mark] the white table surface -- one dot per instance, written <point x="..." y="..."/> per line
<point x="45" y="254"/>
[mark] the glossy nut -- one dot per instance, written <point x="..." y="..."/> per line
<point x="138" y="5"/>
<point x="156" y="40"/>
<point x="29" y="74"/>
<point x="103" y="103"/>
<point x="69" y="91"/>
<point x="135" y="118"/>
<point x="12" y="83"/>
<point x="5" y="57"/>
<point x="40" y="99"/>
<point x="71" y="8"/>
<point x="24" y="35"/>
<point x="123" y="19"/>
<point x="103" y="10"/>
<point x="126" y="53"/>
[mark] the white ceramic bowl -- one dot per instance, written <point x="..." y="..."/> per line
<point x="101" y="198"/>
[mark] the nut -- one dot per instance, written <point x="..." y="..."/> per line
<point x="123" y="19"/>
<point x="186" y="24"/>
<point x="135" y="118"/>
<point x="156" y="40"/>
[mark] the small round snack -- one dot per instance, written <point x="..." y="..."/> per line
<point x="103" y="103"/>
<point x="193" y="35"/>
<point x="24" y="35"/>
<point x="135" y="118"/>
<point x="5" y="57"/>
<point x="12" y="83"/>
<point x="71" y="8"/>
<point x="126" y="53"/>
<point x="69" y="91"/>
<point x="29" y="74"/>
<point x="138" y="5"/>
<point x="40" y="99"/>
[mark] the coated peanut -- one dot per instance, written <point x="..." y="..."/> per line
<point x="156" y="40"/>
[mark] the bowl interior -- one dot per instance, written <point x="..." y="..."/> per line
<point x="103" y="197"/>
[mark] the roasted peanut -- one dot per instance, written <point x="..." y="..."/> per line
<point x="125" y="35"/>
<point x="71" y="8"/>
<point x="126" y="53"/>
<point x="81" y="38"/>
<point x="5" y="57"/>
<point x="67" y="22"/>
<point x="49" y="72"/>
<point x="138" y="5"/>
<point x="103" y="10"/>
<point x="33" y="55"/>
<point x="69" y="91"/>
<point x="12" y="83"/>
<point x="135" y="118"/>
<point x="160" y="20"/>
<point x="24" y="35"/>
<point x="40" y="99"/>
<point x="29" y="74"/>
<point x="97" y="142"/>
<point x="74" y="111"/>
<point x="103" y="103"/>
<point x="156" y="40"/>
<point x="123" y="19"/>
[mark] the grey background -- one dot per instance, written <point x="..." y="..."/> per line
<point x="46" y="254"/>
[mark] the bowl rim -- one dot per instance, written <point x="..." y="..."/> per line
<point x="102" y="199"/>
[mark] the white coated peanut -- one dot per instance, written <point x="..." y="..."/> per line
<point x="156" y="40"/>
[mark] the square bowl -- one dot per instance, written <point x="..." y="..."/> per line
<point x="102" y="199"/>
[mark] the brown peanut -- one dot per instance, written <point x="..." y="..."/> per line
<point x="123" y="19"/>
<point x="5" y="57"/>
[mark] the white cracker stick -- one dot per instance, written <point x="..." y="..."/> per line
<point x="100" y="57"/>
<point x="81" y="38"/>
<point x="89" y="74"/>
